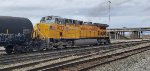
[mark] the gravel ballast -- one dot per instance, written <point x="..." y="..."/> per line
<point x="2" y="48"/>
<point x="138" y="62"/>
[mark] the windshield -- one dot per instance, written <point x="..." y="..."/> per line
<point x="47" y="20"/>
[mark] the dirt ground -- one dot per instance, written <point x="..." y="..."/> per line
<point x="138" y="62"/>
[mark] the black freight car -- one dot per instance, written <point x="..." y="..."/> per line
<point x="14" y="31"/>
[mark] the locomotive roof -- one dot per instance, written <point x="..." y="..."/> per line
<point x="100" y="24"/>
<point x="85" y="23"/>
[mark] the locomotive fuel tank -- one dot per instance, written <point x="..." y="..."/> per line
<point x="85" y="42"/>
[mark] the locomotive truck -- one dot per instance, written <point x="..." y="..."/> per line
<point x="18" y="35"/>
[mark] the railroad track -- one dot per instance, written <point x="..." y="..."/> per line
<point x="4" y="55"/>
<point x="15" y="56"/>
<point x="58" y="56"/>
<point x="83" y="64"/>
<point x="2" y="52"/>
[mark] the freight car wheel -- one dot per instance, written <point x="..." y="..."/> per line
<point x="19" y="49"/>
<point x="9" y="49"/>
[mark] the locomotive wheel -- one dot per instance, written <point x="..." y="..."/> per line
<point x="51" y="46"/>
<point x="99" y="42"/>
<point x="60" y="45"/>
<point x="70" y="43"/>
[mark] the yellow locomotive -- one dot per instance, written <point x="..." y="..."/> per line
<point x="58" y="32"/>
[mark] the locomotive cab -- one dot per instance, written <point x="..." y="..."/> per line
<point x="52" y="19"/>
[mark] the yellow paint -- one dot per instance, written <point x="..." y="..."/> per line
<point x="71" y="31"/>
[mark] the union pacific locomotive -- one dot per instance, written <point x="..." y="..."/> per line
<point x="52" y="32"/>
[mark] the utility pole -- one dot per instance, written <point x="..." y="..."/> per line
<point x="109" y="2"/>
<point x="109" y="10"/>
<point x="142" y="34"/>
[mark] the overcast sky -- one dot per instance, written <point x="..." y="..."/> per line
<point x="124" y="13"/>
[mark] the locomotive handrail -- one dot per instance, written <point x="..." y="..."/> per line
<point x="40" y="31"/>
<point x="42" y="35"/>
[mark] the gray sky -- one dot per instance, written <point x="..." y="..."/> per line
<point x="124" y="13"/>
